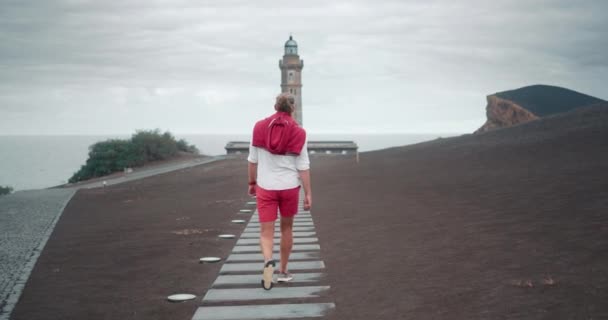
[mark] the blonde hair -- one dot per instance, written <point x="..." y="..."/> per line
<point x="286" y="102"/>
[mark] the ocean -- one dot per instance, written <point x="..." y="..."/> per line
<point x="35" y="162"/>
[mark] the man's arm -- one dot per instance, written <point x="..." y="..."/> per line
<point x="253" y="172"/>
<point x="303" y="166"/>
<point x="305" y="176"/>
<point x="252" y="168"/>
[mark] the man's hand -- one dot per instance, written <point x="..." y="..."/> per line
<point x="252" y="171"/>
<point x="305" y="177"/>
<point x="307" y="202"/>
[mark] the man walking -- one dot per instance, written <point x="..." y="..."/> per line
<point x="277" y="163"/>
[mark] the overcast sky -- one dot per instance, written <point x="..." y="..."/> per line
<point x="111" y="67"/>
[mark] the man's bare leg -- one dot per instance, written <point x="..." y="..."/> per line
<point x="286" y="241"/>
<point x="266" y="243"/>
<point x="266" y="239"/>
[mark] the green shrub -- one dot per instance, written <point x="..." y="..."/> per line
<point x="5" y="190"/>
<point x="183" y="146"/>
<point x="144" y="146"/>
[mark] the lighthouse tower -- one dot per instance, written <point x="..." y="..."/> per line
<point x="291" y="82"/>
<point x="291" y="75"/>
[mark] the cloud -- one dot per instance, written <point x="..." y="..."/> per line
<point x="213" y="65"/>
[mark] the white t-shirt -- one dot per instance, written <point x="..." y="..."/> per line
<point x="278" y="172"/>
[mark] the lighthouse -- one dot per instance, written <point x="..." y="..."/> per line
<point x="291" y="75"/>
<point x="291" y="82"/>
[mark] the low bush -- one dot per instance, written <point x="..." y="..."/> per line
<point x="5" y="190"/>
<point x="183" y="146"/>
<point x="144" y="146"/>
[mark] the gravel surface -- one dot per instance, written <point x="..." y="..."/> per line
<point x="118" y="252"/>
<point x="27" y="219"/>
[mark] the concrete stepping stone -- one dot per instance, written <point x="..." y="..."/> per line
<point x="296" y="234"/>
<point x="296" y="247"/>
<point x="180" y="297"/>
<point x="257" y="267"/>
<point x="258" y="256"/>
<point x="257" y="229"/>
<point x="299" y="216"/>
<point x="277" y="311"/>
<point x="307" y="216"/>
<point x="301" y="219"/>
<point x="256" y="223"/>
<point x="242" y="294"/>
<point x="295" y="224"/>
<point x="303" y="215"/>
<point x="276" y="241"/>
<point x="254" y="279"/>
<point x="300" y="223"/>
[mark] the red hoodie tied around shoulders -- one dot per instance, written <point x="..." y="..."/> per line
<point x="279" y="134"/>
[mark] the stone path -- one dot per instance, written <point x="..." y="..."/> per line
<point x="27" y="219"/>
<point x="237" y="293"/>
<point x="144" y="173"/>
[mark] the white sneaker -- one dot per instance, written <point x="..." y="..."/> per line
<point x="285" y="277"/>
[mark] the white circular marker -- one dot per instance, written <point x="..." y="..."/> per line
<point x="238" y="221"/>
<point x="181" y="297"/>
<point x="210" y="259"/>
<point x="226" y="236"/>
<point x="251" y="202"/>
<point x="245" y="210"/>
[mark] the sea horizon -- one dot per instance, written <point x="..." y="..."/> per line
<point x="36" y="161"/>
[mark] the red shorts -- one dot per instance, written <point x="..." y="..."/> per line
<point x="269" y="201"/>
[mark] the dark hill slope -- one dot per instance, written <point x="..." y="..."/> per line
<point x="509" y="108"/>
<point x="510" y="224"/>
<point x="544" y="100"/>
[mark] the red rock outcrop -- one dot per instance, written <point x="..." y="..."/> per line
<point x="504" y="113"/>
